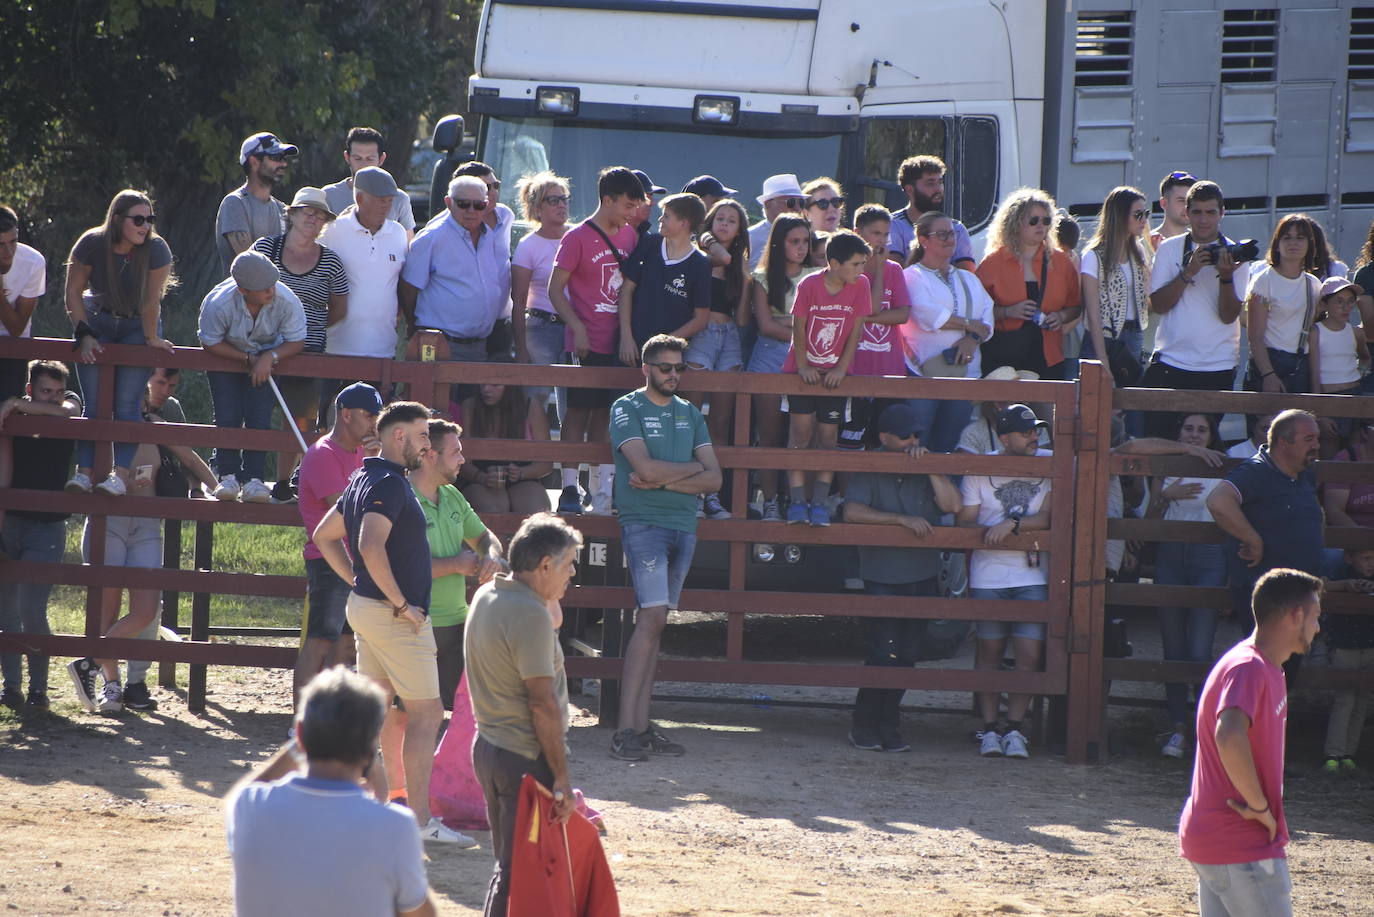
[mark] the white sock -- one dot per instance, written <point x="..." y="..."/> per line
<point x="605" y="478"/>
<point x="570" y="476"/>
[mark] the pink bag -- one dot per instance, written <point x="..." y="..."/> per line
<point x="454" y="796"/>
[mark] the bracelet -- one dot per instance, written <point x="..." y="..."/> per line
<point x="1226" y="281"/>
<point x="1267" y="375"/>
<point x="398" y="610"/>
<point x="1016" y="525"/>
<point x="976" y="338"/>
<point x="1260" y="811"/>
<point x="82" y="330"/>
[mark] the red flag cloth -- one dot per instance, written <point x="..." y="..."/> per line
<point x="557" y="870"/>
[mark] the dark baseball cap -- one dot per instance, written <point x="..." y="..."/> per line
<point x="362" y="396"/>
<point x="900" y="420"/>
<point x="708" y="185"/>
<point x="1017" y="418"/>
<point x="648" y="183"/>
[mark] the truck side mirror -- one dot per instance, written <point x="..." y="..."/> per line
<point x="448" y="133"/>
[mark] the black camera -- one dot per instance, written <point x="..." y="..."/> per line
<point x="1244" y="250"/>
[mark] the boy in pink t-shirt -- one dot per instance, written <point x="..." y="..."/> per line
<point x="828" y="319"/>
<point x="584" y="289"/>
<point x="1232" y="828"/>
<point x="880" y="347"/>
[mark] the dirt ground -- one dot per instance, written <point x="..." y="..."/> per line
<point x="769" y="813"/>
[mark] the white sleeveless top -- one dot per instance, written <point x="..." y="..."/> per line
<point x="1336" y="355"/>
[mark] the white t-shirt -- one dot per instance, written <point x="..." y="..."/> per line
<point x="1288" y="304"/>
<point x="1338" y="360"/>
<point x="934" y="302"/>
<point x="996" y="498"/>
<point x="1191" y="335"/>
<point x="27" y="278"/>
<point x="1194" y="509"/>
<point x="535" y="254"/>
<point x="374" y="264"/>
<point x="1089" y="267"/>
<point x="1243" y="450"/>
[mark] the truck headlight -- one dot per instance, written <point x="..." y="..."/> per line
<point x="792" y="554"/>
<point x="716" y="110"/>
<point x="556" y="100"/>
<point x="764" y="553"/>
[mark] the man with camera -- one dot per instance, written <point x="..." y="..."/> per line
<point x="1196" y="286"/>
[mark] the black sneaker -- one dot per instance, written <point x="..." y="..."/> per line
<point x="12" y="698"/>
<point x="865" y="739"/>
<point x="892" y="741"/>
<point x="570" y="501"/>
<point x="626" y="746"/>
<point x="38" y="700"/>
<point x="282" y="492"/>
<point x="136" y="696"/>
<point x="655" y="742"/>
<point x="82" y="672"/>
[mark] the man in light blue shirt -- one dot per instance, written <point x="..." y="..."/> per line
<point x="253" y="321"/>
<point x="456" y="279"/>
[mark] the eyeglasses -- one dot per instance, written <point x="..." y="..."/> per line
<point x="274" y="157"/>
<point x="470" y="205"/>
<point x="825" y="203"/>
<point x="1181" y="176"/>
<point x="1037" y="220"/>
<point x="1139" y="214"/>
<point x="792" y="203"/>
<point x="944" y="235"/>
<point x="667" y="368"/>
<point x="557" y="200"/>
<point x="139" y="219"/>
<point x="494" y="185"/>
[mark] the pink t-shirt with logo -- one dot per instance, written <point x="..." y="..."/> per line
<point x="1209" y="831"/>
<point x="828" y="318"/>
<point x="594" y="282"/>
<point x="880" y="346"/>
<point x="325" y="470"/>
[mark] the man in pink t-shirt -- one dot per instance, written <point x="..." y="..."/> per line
<point x="325" y="469"/>
<point x="1232" y="828"/>
<point x="584" y="289"/>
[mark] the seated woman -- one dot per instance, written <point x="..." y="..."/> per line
<point x="503" y="412"/>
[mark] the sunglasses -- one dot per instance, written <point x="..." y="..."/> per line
<point x="792" y="203"/>
<point x="1139" y="214"/>
<point x="667" y="368"/>
<point x="825" y="203"/>
<point x="139" y="219"/>
<point x="1037" y="220"/>
<point x="494" y="185"/>
<point x="944" y="235"/>
<point x="1181" y="176"/>
<point x="557" y="200"/>
<point x="470" y="205"/>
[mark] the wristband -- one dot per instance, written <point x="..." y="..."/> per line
<point x="1258" y="811"/>
<point x="1016" y="525"/>
<point x="1226" y="281"/>
<point x="1267" y="375"/>
<point x="82" y="330"/>
<point x="976" y="338"/>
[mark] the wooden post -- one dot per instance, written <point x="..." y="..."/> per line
<point x="1087" y="734"/>
<point x="171" y="599"/>
<point x="739" y="550"/>
<point x="200" y="615"/>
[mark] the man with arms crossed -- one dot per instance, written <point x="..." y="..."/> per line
<point x="519" y="689"/>
<point x="663" y="459"/>
<point x="1232" y="828"/>
<point x="314" y="842"/>
<point x="388" y="608"/>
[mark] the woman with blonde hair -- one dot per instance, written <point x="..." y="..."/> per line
<point x="1116" y="284"/>
<point x="824" y="204"/>
<point x="1033" y="284"/>
<point x="544" y="201"/>
<point x="116" y="276"/>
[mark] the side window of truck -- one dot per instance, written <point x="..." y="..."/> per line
<point x="887" y="141"/>
<point x="976" y="171"/>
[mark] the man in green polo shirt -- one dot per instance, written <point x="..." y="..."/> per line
<point x="459" y="544"/>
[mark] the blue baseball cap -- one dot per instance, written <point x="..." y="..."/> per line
<point x="708" y="185"/>
<point x="360" y="396"/>
<point x="900" y="420"/>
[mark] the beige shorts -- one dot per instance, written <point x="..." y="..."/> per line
<point x="390" y="649"/>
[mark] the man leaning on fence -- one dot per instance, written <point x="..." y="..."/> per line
<point x="388" y="608"/>
<point x="41" y="463"/>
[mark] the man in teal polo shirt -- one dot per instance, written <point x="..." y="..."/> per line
<point x="663" y="459"/>
<point x="459" y="545"/>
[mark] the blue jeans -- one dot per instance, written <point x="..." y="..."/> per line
<point x="238" y="404"/>
<point x="1262" y="888"/>
<point x="1134" y="339"/>
<point x="544" y="341"/>
<point x="130" y="383"/>
<point x="1187" y="633"/>
<point x="24" y="606"/>
<point x="941" y="422"/>
<point x="658" y="560"/>
<point x="890" y="642"/>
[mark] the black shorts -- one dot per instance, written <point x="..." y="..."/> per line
<point x="827" y="408"/>
<point x="592" y="398"/>
<point x="326" y="600"/>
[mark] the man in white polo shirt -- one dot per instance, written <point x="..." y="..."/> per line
<point x="1197" y="345"/>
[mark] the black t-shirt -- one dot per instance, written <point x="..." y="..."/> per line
<point x="42" y="464"/>
<point x="380" y="486"/>
<point x="666" y="295"/>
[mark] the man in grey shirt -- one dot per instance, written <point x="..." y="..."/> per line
<point x="253" y="321"/>
<point x="250" y="212"/>
<point x="365" y="147"/>
<point x="916" y="502"/>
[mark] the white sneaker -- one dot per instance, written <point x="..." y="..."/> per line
<point x="991" y="746"/>
<point x="228" y="489"/>
<point x="701" y="506"/>
<point x="111" y="698"/>
<point x="256" y="492"/>
<point x="79" y="484"/>
<point x="437" y="832"/>
<point x="601" y="505"/>
<point x="1014" y="745"/>
<point x="112" y="486"/>
<point x="1175" y="747"/>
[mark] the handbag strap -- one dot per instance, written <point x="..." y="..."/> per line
<point x="968" y="297"/>
<point x="1044" y="275"/>
<point x="609" y="244"/>
<point x="1306" y="315"/>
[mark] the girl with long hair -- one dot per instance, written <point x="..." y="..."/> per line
<point x="493" y="486"/>
<point x="1115" y="280"/>
<point x="116" y="276"/>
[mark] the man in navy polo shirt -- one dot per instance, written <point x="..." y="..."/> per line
<point x="1270" y="511"/>
<point x="388" y="608"/>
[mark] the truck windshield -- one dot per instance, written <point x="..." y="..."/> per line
<point x="579" y="150"/>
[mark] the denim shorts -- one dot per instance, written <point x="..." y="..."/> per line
<point x="1000" y="630"/>
<point x="716" y="347"/>
<point x="326" y="600"/>
<point x="769" y="355"/>
<point x="544" y="341"/>
<point x="658" y="560"/>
